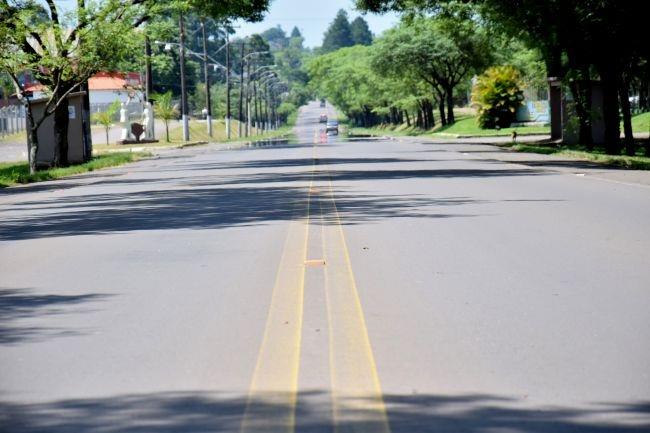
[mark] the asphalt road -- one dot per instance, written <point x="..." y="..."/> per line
<point x="328" y="285"/>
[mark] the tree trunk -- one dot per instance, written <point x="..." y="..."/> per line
<point x="582" y="96"/>
<point x="441" y="108"/>
<point x="408" y="119"/>
<point x="61" y="123"/>
<point x="630" y="148"/>
<point x="32" y="148"/>
<point x="451" y="119"/>
<point x="167" y="129"/>
<point x="611" y="119"/>
<point x="106" y="130"/>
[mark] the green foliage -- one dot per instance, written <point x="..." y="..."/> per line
<point x="248" y="10"/>
<point x="497" y="94"/>
<point x="165" y="109"/>
<point x="276" y="37"/>
<point x="361" y="34"/>
<point x="285" y="110"/>
<point x="105" y="118"/>
<point x="529" y="62"/>
<point x="338" y="34"/>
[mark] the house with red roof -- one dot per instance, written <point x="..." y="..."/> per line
<point x="105" y="87"/>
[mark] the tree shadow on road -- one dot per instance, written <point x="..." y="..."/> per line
<point x="205" y="196"/>
<point x="202" y="208"/>
<point x="19" y="305"/>
<point x="203" y="412"/>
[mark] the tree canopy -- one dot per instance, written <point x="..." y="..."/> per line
<point x="338" y="34"/>
<point x="361" y="34"/>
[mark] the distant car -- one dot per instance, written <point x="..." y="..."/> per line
<point x="322" y="103"/>
<point x="322" y="118"/>
<point x="332" y="126"/>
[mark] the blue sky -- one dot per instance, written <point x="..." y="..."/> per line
<point x="312" y="18"/>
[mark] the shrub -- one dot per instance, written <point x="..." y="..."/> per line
<point x="105" y="118"/>
<point x="497" y="94"/>
<point x="165" y="109"/>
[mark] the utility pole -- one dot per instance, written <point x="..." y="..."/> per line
<point x="148" y="82"/>
<point x="228" y="114"/>
<point x="266" y="108"/>
<point x="241" y="87"/>
<point x="207" y="79"/>
<point x="257" y="116"/>
<point x="186" y="129"/>
<point x="85" y="112"/>
<point x="248" y="99"/>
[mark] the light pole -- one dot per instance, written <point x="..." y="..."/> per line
<point x="245" y="63"/>
<point x="254" y="96"/>
<point x="186" y="126"/>
<point x="204" y="58"/>
<point x="208" y="103"/>
<point x="241" y="89"/>
<point x="266" y="124"/>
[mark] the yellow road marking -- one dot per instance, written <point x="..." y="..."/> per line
<point x="357" y="400"/>
<point x="273" y="391"/>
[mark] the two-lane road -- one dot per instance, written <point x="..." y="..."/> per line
<point x="327" y="285"/>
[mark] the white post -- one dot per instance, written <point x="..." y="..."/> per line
<point x="248" y="118"/>
<point x="124" y="135"/>
<point x="186" y="128"/>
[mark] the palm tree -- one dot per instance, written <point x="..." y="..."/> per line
<point x="165" y="109"/>
<point x="105" y="118"/>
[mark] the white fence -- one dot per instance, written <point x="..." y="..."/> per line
<point x="12" y="120"/>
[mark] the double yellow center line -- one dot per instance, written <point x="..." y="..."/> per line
<point x="357" y="403"/>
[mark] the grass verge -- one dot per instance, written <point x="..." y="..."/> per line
<point x="638" y="162"/>
<point x="18" y="172"/>
<point x="466" y="126"/>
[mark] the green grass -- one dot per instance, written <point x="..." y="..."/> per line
<point x="468" y="126"/>
<point x="465" y="125"/>
<point x="640" y="123"/>
<point x="18" y="172"/>
<point x="18" y="136"/>
<point x="638" y="162"/>
<point x="198" y="132"/>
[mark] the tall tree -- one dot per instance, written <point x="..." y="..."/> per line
<point x="443" y="52"/>
<point x="361" y="34"/>
<point x="45" y="43"/>
<point x="295" y="33"/>
<point x="604" y="35"/>
<point x="276" y="37"/>
<point x="338" y="34"/>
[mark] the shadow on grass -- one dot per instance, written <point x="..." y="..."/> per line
<point x="203" y="412"/>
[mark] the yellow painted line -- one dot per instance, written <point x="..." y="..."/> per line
<point x="357" y="399"/>
<point x="273" y="391"/>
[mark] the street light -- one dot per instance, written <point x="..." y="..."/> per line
<point x="255" y="76"/>
<point x="186" y="126"/>
<point x="245" y="63"/>
<point x="262" y="80"/>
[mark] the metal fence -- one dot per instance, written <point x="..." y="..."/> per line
<point x="133" y="109"/>
<point x="12" y="120"/>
